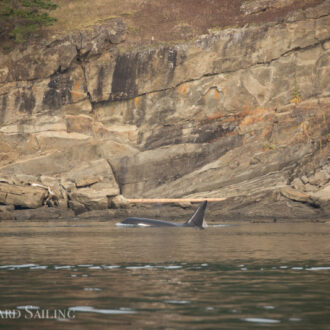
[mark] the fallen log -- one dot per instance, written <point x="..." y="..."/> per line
<point x="173" y="200"/>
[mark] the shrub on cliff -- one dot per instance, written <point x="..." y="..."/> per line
<point x="18" y="18"/>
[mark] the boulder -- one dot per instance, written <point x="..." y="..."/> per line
<point x="94" y="197"/>
<point x="22" y="196"/>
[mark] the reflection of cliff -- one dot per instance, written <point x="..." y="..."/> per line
<point x="240" y="113"/>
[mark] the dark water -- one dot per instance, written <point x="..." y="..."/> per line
<point x="94" y="275"/>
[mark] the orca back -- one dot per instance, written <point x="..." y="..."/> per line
<point x="197" y="220"/>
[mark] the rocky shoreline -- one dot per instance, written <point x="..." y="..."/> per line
<point x="241" y="114"/>
<point x="306" y="199"/>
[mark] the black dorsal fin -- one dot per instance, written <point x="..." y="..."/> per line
<point x="198" y="217"/>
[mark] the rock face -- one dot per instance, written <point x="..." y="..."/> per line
<point x="241" y="114"/>
<point x="22" y="196"/>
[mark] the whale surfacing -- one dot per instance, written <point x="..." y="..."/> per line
<point x="197" y="220"/>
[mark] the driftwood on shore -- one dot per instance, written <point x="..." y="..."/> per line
<point x="174" y="200"/>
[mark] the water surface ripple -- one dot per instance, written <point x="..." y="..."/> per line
<point x="231" y="277"/>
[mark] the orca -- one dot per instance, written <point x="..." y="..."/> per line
<point x="197" y="220"/>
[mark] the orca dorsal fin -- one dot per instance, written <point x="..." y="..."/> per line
<point x="198" y="217"/>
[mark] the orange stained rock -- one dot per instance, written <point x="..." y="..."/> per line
<point x="215" y="115"/>
<point x="76" y="91"/>
<point x="183" y="89"/>
<point x="137" y="101"/>
<point x="212" y="93"/>
<point x="255" y="116"/>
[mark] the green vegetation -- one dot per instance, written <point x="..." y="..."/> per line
<point x="296" y="95"/>
<point x="269" y="146"/>
<point x="18" y="18"/>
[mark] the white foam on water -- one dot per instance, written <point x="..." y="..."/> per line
<point x="30" y="307"/>
<point x="177" y="302"/>
<point x="90" y="309"/>
<point x="318" y="268"/>
<point x="18" y="266"/>
<point x="110" y="266"/>
<point x="39" y="267"/>
<point x="171" y="267"/>
<point x="269" y="307"/>
<point x="168" y="267"/>
<point x="260" y="320"/>
<point x="92" y="289"/>
<point x="62" y="267"/>
<point x="139" y="267"/>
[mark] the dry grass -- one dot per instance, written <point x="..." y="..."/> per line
<point x="163" y="20"/>
<point x="80" y="14"/>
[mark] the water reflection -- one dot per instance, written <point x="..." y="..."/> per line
<point x="233" y="277"/>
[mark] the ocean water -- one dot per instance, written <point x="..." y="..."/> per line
<point x="96" y="275"/>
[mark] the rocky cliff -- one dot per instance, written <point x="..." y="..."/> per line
<point x="239" y="113"/>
